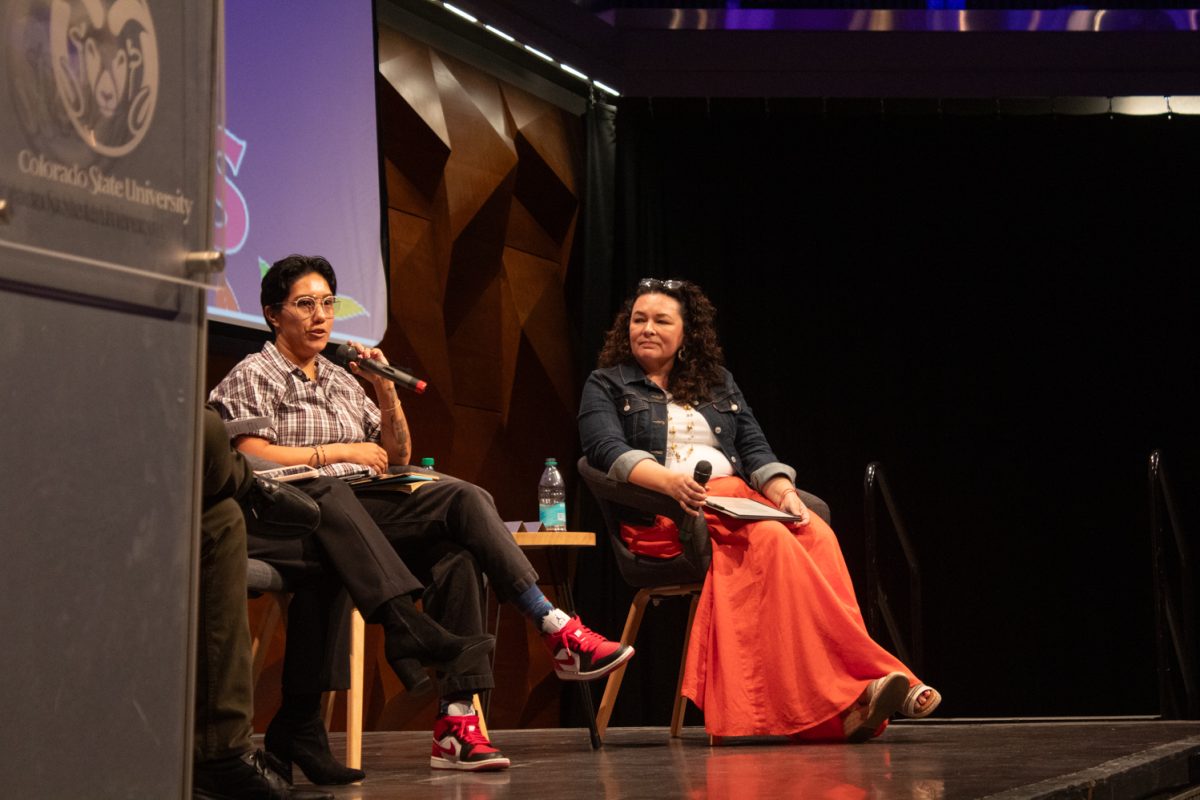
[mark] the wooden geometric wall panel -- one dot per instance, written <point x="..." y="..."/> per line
<point x="483" y="183"/>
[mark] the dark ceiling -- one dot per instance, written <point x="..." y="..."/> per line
<point x="601" y="6"/>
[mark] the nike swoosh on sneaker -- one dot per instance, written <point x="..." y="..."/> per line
<point x="453" y="750"/>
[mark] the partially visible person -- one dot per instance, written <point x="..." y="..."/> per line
<point x="225" y="766"/>
<point x="446" y="532"/>
<point x="778" y="645"/>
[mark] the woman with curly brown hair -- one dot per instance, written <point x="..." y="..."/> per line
<point x="778" y="646"/>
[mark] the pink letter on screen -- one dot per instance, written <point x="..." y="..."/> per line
<point x="233" y="215"/>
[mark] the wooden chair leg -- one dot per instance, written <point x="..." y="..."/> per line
<point x="260" y="640"/>
<point x="328" y="700"/>
<point x="479" y="713"/>
<point x="354" y="698"/>
<point x="681" y="701"/>
<point x="632" y="622"/>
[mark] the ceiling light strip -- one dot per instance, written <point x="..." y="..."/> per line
<point x="529" y="49"/>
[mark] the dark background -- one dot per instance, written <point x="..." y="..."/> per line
<point x="999" y="309"/>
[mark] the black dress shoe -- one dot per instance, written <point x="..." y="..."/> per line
<point x="250" y="776"/>
<point x="277" y="510"/>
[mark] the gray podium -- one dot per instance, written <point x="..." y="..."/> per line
<point x="107" y="128"/>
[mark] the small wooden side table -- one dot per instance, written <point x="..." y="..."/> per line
<point x="562" y="548"/>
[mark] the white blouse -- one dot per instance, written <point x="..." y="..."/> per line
<point x="690" y="440"/>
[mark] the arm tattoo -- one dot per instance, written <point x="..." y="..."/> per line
<point x="400" y="434"/>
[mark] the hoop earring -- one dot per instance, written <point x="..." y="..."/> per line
<point x="681" y="355"/>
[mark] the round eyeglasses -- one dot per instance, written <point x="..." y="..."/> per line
<point x="306" y="306"/>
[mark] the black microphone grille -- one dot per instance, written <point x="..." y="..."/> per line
<point x="703" y="472"/>
<point x="344" y="355"/>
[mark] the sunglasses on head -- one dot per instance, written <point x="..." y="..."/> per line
<point x="651" y="284"/>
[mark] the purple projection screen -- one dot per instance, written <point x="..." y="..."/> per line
<point x="299" y="168"/>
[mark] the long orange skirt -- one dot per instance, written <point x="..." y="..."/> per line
<point x="778" y="646"/>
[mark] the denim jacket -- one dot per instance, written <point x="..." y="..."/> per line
<point x="623" y="420"/>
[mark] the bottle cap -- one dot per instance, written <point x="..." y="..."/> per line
<point x="551" y="462"/>
<point x="427" y="462"/>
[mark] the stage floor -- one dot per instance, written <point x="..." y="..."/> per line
<point x="928" y="760"/>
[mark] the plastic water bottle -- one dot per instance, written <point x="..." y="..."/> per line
<point x="427" y="464"/>
<point x="552" y="498"/>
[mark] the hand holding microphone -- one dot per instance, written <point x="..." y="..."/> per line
<point x="348" y="355"/>
<point x="688" y="528"/>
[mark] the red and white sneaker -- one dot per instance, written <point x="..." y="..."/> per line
<point x="459" y="744"/>
<point x="581" y="654"/>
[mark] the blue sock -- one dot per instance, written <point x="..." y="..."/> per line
<point x="533" y="604"/>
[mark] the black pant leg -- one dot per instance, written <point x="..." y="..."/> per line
<point x="458" y="512"/>
<point x="356" y="549"/>
<point x="454" y="597"/>
<point x="317" y="645"/>
<point x="224" y="680"/>
<point x="347" y="550"/>
<point x="449" y="532"/>
<point x="317" y="649"/>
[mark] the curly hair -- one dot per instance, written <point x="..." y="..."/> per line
<point x="698" y="363"/>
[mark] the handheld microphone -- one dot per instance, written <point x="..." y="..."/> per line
<point x="347" y="355"/>
<point x="701" y="475"/>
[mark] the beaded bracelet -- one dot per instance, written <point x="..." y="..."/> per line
<point x="319" y="457"/>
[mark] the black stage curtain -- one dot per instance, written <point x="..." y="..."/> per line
<point x="1000" y="309"/>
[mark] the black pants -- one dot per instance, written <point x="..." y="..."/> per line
<point x="448" y="532"/>
<point x="385" y="543"/>
<point x="224" y="681"/>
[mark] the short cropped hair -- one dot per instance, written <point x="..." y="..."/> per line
<point x="277" y="283"/>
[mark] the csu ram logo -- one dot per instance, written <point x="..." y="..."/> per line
<point x="104" y="56"/>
